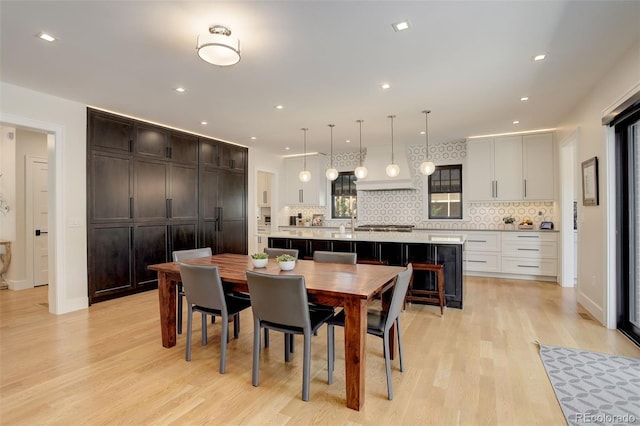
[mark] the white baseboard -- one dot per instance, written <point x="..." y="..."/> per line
<point x="18" y="285"/>
<point x="71" y="305"/>
<point x="591" y="307"/>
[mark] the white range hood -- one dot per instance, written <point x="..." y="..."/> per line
<point x="376" y="161"/>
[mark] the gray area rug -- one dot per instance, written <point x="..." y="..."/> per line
<point x="594" y="388"/>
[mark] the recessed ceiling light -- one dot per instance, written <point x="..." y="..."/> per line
<point x="286" y="148"/>
<point x="46" y="37"/>
<point x="348" y="141"/>
<point x="423" y="132"/>
<point x="385" y="86"/>
<point x="204" y="123"/>
<point x="516" y="122"/>
<point x="179" y="89"/>
<point x="539" y="57"/>
<point x="524" y="98"/>
<point x="253" y="138"/>
<point x="278" y="107"/>
<point x="400" y="26"/>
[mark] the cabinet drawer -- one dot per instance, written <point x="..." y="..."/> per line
<point x="482" y="262"/>
<point x="518" y="265"/>
<point x="529" y="236"/>
<point x="531" y="250"/>
<point x="477" y="241"/>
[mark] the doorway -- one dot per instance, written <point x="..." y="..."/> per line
<point x="37" y="223"/>
<point x="568" y="200"/>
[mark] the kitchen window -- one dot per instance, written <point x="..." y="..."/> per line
<point x="445" y="192"/>
<point x="344" y="196"/>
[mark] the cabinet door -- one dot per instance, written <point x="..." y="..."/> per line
<point x="150" y="190"/>
<point x="232" y="157"/>
<point x="538" y="166"/>
<point x="150" y="247"/>
<point x="184" y="148"/>
<point x="479" y="174"/>
<point x="183" y="192"/>
<point x="209" y="211"/>
<point x="182" y="236"/>
<point x="110" y="187"/>
<point x="310" y="193"/>
<point x="110" y="132"/>
<point x="208" y="153"/>
<point x="507" y="166"/>
<point x="451" y="256"/>
<point x="151" y="141"/>
<point x="110" y="262"/>
<point x="232" y="202"/>
<point x="392" y="253"/>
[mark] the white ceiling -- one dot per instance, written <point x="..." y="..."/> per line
<point x="468" y="62"/>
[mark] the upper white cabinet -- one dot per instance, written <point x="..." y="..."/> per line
<point x="264" y="189"/>
<point x="510" y="168"/>
<point x="312" y="193"/>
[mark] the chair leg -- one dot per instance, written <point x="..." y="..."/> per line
<point x="204" y="329"/>
<point x="330" y="353"/>
<point x="179" y="307"/>
<point x="224" y="337"/>
<point x="287" y="347"/>
<point x="292" y="349"/>
<point x="266" y="338"/>
<point x="306" y="368"/>
<point x="189" y="328"/>
<point x="256" y="352"/>
<point x="399" y="343"/>
<point x="236" y="325"/>
<point x="387" y="363"/>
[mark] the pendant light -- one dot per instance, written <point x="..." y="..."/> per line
<point x="361" y="171"/>
<point x="427" y="167"/>
<point x="392" y="169"/>
<point x="331" y="173"/>
<point x="305" y="175"/>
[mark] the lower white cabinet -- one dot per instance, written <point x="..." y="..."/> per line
<point x="482" y="252"/>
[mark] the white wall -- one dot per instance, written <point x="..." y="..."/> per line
<point x="67" y="165"/>
<point x="593" y="278"/>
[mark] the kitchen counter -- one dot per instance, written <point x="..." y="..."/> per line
<point x="389" y="237"/>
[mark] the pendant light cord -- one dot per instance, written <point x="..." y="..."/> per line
<point x="304" y="129"/>
<point x="392" y="158"/>
<point x="332" y="126"/>
<point x="426" y="131"/>
<point x="360" y="154"/>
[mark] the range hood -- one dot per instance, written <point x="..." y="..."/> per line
<point x="376" y="161"/>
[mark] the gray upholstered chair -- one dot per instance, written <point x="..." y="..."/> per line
<point x="275" y="252"/>
<point x="279" y="302"/>
<point x="179" y="256"/>
<point x="204" y="293"/>
<point x="335" y="257"/>
<point x="378" y="324"/>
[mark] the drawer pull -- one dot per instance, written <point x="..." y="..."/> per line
<point x="528" y="249"/>
<point x="476" y="241"/>
<point x="528" y="266"/>
<point x="528" y="236"/>
<point x="477" y="261"/>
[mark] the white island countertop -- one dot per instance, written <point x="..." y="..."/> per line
<point x="391" y="237"/>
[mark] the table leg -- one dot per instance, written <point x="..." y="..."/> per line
<point x="167" y="296"/>
<point x="355" y="333"/>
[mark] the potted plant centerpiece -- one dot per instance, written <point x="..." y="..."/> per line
<point x="286" y="262"/>
<point x="509" y="221"/>
<point x="259" y="260"/>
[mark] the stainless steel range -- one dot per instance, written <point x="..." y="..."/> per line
<point x="385" y="228"/>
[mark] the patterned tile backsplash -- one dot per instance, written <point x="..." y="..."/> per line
<point x="406" y="207"/>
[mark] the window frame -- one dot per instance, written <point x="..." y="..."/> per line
<point x="428" y="193"/>
<point x="353" y="192"/>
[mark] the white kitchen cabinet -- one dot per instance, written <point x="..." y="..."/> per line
<point x="264" y="189"/>
<point x="530" y="253"/>
<point x="510" y="168"/>
<point x="482" y="252"/>
<point x="312" y="193"/>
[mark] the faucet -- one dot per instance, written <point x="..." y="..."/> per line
<point x="353" y="223"/>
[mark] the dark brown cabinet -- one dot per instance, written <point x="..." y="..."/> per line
<point x="153" y="190"/>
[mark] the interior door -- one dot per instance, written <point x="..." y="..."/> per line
<point x="39" y="194"/>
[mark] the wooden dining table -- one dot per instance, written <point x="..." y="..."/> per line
<point x="351" y="287"/>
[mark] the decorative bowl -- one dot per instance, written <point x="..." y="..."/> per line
<point x="259" y="263"/>
<point x="287" y="266"/>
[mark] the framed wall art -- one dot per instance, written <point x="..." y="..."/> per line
<point x="590" y="182"/>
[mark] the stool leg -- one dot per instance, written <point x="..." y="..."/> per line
<point x="441" y="290"/>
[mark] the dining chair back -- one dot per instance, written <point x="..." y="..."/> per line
<point x="179" y="256"/>
<point x="205" y="294"/>
<point x="379" y="324"/>
<point x="335" y="257"/>
<point x="280" y="303"/>
<point x="275" y="252"/>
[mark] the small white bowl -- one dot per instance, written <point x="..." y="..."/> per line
<point x="287" y="266"/>
<point x="259" y="263"/>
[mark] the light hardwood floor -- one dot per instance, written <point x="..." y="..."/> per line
<point x="106" y="365"/>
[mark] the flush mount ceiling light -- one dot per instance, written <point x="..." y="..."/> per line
<point x="305" y="175"/>
<point x="331" y="173"/>
<point x="46" y="37"/>
<point x="427" y="167"/>
<point x="400" y="26"/>
<point x="392" y="169"/>
<point x="539" y="57"/>
<point x="218" y="47"/>
<point x="385" y="86"/>
<point x="360" y="171"/>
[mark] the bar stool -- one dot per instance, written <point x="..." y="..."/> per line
<point x="428" y="295"/>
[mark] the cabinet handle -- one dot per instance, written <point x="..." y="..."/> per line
<point x="528" y="249"/>
<point x="130" y="145"/>
<point x="220" y="219"/>
<point x="259" y="239"/>
<point x="496" y="189"/>
<point x="476" y="241"/>
<point x="170" y="151"/>
<point x="167" y="208"/>
<point x="528" y="236"/>
<point x="524" y="182"/>
<point x="130" y="207"/>
<point x="232" y="164"/>
<point x="477" y="261"/>
<point x="301" y="195"/>
<point x="264" y="197"/>
<point x="528" y="266"/>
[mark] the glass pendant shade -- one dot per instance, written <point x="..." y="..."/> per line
<point x="305" y="176"/>
<point x="361" y="172"/>
<point x="332" y="174"/>
<point x="393" y="170"/>
<point x="427" y="168"/>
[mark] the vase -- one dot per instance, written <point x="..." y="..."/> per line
<point x="287" y="266"/>
<point x="259" y="263"/>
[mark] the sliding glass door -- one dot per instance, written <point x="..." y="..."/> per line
<point x="627" y="130"/>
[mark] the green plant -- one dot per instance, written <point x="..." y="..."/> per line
<point x="260" y="256"/>
<point x="285" y="258"/>
<point x="508" y="219"/>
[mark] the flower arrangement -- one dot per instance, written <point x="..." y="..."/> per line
<point x="509" y="220"/>
<point x="260" y="256"/>
<point x="259" y="260"/>
<point x="285" y="258"/>
<point x="286" y="262"/>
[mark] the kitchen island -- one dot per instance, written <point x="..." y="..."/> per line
<point x="392" y="248"/>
